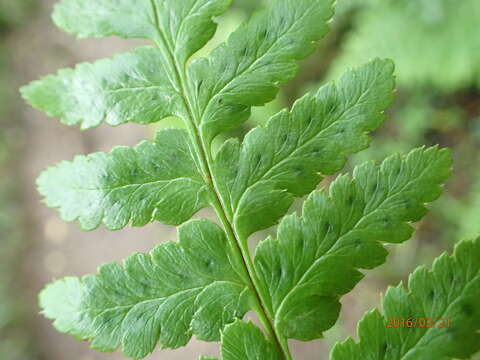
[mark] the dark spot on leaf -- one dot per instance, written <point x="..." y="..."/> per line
<point x="351" y="199"/>
<point x="143" y="287"/>
<point x="432" y="294"/>
<point x="331" y="107"/>
<point x="384" y="349"/>
<point x="467" y="309"/>
<point x="199" y="85"/>
<point x="327" y="227"/>
<point x="285" y="138"/>
<point x="117" y="293"/>
<point x="106" y="178"/>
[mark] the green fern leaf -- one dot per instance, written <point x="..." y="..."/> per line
<point x="153" y="181"/>
<point x="257" y="57"/>
<point x="316" y="257"/>
<point x="154" y="298"/>
<point x="141" y="86"/>
<point x="176" y="291"/>
<point x="260" y="177"/>
<point x="185" y="25"/>
<point x="131" y="87"/>
<point x="450" y="291"/>
<point x="242" y="340"/>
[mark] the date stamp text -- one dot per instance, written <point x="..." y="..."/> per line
<point x="419" y="322"/>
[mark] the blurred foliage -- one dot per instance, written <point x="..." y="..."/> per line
<point x="15" y="342"/>
<point x="436" y="47"/>
<point x="435" y="43"/>
<point x="13" y="12"/>
<point x="470" y="224"/>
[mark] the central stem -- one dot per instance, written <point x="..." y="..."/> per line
<point x="241" y="250"/>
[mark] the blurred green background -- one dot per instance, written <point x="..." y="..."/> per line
<point x="436" y="47"/>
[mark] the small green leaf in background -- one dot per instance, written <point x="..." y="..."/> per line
<point x="450" y="290"/>
<point x="424" y="38"/>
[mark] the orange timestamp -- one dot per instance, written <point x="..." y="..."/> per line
<point x="419" y="322"/>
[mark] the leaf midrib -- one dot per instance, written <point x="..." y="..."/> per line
<point x="109" y="189"/>
<point x="206" y="160"/>
<point x="156" y="298"/>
